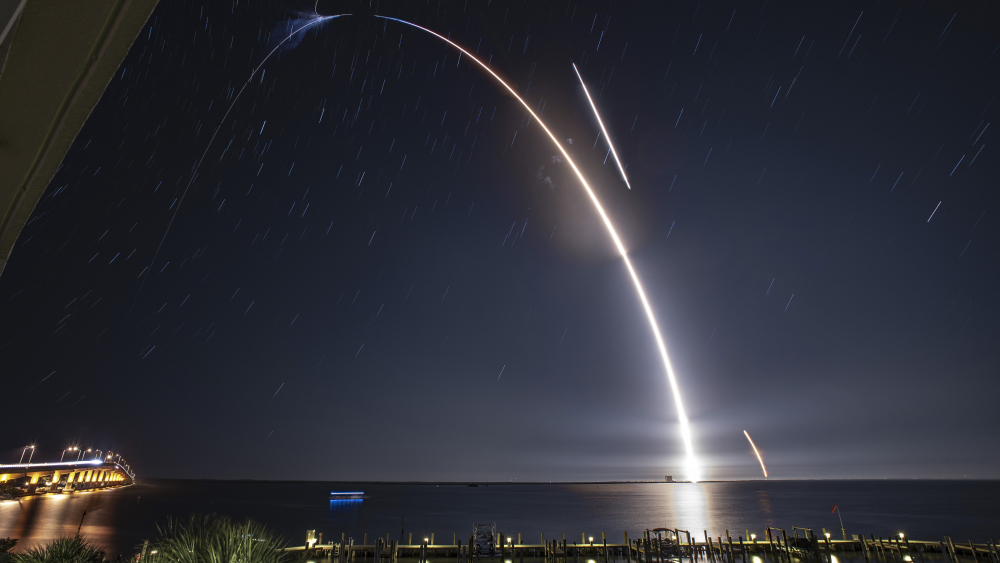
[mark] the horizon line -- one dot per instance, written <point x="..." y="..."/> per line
<point x="612" y="482"/>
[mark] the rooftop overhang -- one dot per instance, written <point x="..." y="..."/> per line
<point x="60" y="56"/>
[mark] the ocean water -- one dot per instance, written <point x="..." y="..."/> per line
<point x="120" y="519"/>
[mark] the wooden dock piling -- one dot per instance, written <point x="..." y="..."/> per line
<point x="815" y="546"/>
<point x="661" y="545"/>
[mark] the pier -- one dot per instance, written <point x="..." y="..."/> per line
<point x="659" y="545"/>
<point x="65" y="476"/>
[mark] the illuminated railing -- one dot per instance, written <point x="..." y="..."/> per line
<point x="58" y="463"/>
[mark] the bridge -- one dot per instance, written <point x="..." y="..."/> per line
<point x="64" y="476"/>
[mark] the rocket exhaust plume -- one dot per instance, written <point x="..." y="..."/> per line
<point x="603" y="130"/>
<point x="764" y="469"/>
<point x="693" y="468"/>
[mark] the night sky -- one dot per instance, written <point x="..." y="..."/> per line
<point x="382" y="270"/>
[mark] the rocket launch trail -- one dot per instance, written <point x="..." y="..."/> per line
<point x="693" y="468"/>
<point x="197" y="165"/>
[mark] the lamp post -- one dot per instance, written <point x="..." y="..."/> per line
<point x="26" y="448"/>
<point x="66" y="450"/>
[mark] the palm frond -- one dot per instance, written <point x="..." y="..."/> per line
<point x="63" y="550"/>
<point x="213" y="538"/>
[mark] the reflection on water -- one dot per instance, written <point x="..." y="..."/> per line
<point x="344" y="513"/>
<point x="36" y="519"/>
<point x="121" y="519"/>
<point x="764" y="503"/>
<point x="691" y="506"/>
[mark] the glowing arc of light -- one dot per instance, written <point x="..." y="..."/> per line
<point x="600" y="122"/>
<point x="757" y="453"/>
<point x="211" y="140"/>
<point x="693" y="469"/>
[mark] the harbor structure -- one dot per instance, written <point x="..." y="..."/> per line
<point x="63" y="476"/>
<point x="660" y="545"/>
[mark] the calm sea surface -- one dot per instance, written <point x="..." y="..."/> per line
<point x="120" y="519"/>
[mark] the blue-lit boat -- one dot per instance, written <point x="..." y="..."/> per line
<point x="346" y="495"/>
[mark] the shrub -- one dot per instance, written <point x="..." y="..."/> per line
<point x="6" y="544"/>
<point x="62" y="550"/>
<point x="217" y="539"/>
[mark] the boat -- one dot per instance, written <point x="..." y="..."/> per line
<point x="346" y="495"/>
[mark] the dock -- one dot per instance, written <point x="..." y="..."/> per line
<point x="660" y="545"/>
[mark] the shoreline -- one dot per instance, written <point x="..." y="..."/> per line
<point x="501" y="483"/>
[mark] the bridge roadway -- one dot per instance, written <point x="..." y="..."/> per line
<point x="65" y="476"/>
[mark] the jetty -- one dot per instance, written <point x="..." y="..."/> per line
<point x="656" y="545"/>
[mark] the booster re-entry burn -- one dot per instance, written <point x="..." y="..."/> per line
<point x="757" y="453"/>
